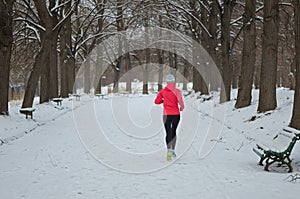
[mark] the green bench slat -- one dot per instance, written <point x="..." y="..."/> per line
<point x="286" y="139"/>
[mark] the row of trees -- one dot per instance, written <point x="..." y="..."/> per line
<point x="253" y="42"/>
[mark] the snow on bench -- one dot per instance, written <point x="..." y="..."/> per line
<point x="58" y="101"/>
<point x="100" y="95"/>
<point x="291" y="130"/>
<point x="27" y="111"/>
<point x="77" y="96"/>
<point x="279" y="149"/>
<point x="125" y="93"/>
<point x="204" y="98"/>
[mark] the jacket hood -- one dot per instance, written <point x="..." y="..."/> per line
<point x="171" y="86"/>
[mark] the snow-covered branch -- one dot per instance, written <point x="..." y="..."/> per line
<point x="32" y="23"/>
<point x="69" y="13"/>
<point x="57" y="6"/>
<point x="191" y="15"/>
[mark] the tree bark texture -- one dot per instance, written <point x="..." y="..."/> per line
<point x="6" y="39"/>
<point x="225" y="42"/>
<point x="87" y="75"/>
<point x="160" y="55"/>
<point x="205" y="44"/>
<point x="248" y="56"/>
<point x="43" y="61"/>
<point x="63" y="63"/>
<point x="267" y="92"/>
<point x="295" y="121"/>
<point x="213" y="41"/>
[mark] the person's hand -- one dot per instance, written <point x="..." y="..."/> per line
<point x="181" y="109"/>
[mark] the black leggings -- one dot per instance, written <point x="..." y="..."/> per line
<point x="171" y="122"/>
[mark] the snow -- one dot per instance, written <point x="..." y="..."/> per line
<point x="292" y="130"/>
<point x="50" y="156"/>
<point x="27" y="109"/>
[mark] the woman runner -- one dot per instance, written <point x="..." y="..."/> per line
<point x="170" y="97"/>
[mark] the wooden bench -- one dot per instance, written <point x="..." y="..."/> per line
<point x="279" y="150"/>
<point x="27" y="111"/>
<point x="58" y="101"/>
<point x="77" y="96"/>
<point x="204" y="98"/>
<point x="186" y="93"/>
<point x="100" y="95"/>
<point x="125" y="93"/>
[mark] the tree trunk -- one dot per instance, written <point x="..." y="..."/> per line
<point x="213" y="41"/>
<point x="295" y="121"/>
<point x="146" y="70"/>
<point x="53" y="67"/>
<point x="145" y="81"/>
<point x="160" y="55"/>
<point x="71" y="72"/>
<point x="99" y="77"/>
<point x="117" y="68"/>
<point x="63" y="63"/>
<point x="293" y="74"/>
<point x="45" y="74"/>
<point x="171" y="58"/>
<point x="148" y="60"/>
<point x="34" y="77"/>
<point x="160" y="69"/>
<point x="49" y="79"/>
<point x="185" y="72"/>
<point x="248" y="57"/>
<point x="129" y="75"/>
<point x="203" y="86"/>
<point x="225" y="41"/>
<point x="205" y="44"/>
<point x="235" y="79"/>
<point x="71" y="61"/>
<point x="197" y="83"/>
<point x="46" y="61"/>
<point x="175" y="61"/>
<point x="127" y="63"/>
<point x="285" y="78"/>
<point x="267" y="92"/>
<point x="257" y="75"/>
<point x="116" y="76"/>
<point x="66" y="57"/>
<point x="6" y="39"/>
<point x="196" y="80"/>
<point x="87" y="75"/>
<point x="120" y="27"/>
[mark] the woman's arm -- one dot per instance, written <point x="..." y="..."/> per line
<point x="180" y="101"/>
<point x="159" y="98"/>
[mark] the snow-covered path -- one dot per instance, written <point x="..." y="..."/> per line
<point x="51" y="161"/>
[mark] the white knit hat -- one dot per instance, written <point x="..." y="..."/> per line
<point x="170" y="78"/>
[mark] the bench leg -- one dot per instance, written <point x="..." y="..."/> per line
<point x="261" y="161"/>
<point x="267" y="167"/>
<point x="289" y="164"/>
<point x="268" y="163"/>
<point x="290" y="167"/>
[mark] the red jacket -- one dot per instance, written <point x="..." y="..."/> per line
<point x="170" y="96"/>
